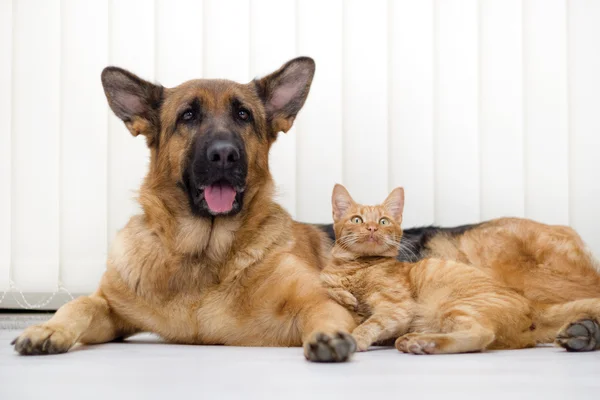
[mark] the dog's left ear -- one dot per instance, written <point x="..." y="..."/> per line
<point x="284" y="92"/>
<point x="135" y="101"/>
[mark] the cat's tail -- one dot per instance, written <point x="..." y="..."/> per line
<point x="574" y="325"/>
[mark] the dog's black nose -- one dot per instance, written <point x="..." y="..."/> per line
<point x="223" y="153"/>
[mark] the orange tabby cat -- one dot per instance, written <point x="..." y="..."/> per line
<point x="434" y="306"/>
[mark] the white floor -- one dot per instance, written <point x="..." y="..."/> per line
<point x="144" y="368"/>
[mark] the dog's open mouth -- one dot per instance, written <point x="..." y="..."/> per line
<point x="220" y="197"/>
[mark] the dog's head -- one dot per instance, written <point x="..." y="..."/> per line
<point x="210" y="139"/>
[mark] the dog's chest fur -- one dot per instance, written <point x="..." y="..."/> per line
<point x="191" y="299"/>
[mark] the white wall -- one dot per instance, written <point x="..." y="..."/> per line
<point x="479" y="109"/>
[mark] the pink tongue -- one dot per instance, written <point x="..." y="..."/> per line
<point x="219" y="197"/>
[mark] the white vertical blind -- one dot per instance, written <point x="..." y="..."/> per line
<point x="83" y="161"/>
<point x="410" y="150"/>
<point x="365" y="102"/>
<point x="226" y="40"/>
<point x="179" y="29"/>
<point x="273" y="39"/>
<point x="546" y="111"/>
<point x="6" y="22"/>
<point x="584" y="118"/>
<point x="480" y="108"/>
<point x="319" y="150"/>
<point x="501" y="109"/>
<point x="35" y="155"/>
<point x="456" y="118"/>
<point x="131" y="46"/>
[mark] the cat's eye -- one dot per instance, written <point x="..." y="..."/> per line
<point x="357" y="220"/>
<point x="384" y="221"/>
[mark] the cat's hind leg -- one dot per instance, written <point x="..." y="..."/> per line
<point x="473" y="337"/>
<point x="389" y="319"/>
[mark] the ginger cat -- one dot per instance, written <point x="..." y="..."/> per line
<point x="436" y="306"/>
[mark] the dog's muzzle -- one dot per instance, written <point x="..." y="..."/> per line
<point x="215" y="177"/>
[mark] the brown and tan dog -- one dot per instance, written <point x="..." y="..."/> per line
<point x="212" y="259"/>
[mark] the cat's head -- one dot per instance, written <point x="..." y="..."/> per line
<point x="368" y="230"/>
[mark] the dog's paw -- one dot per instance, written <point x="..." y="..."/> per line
<point x="322" y="347"/>
<point x="582" y="335"/>
<point x="416" y="344"/>
<point x="41" y="339"/>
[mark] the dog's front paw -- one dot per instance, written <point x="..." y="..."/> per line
<point x="322" y="347"/>
<point x="582" y="335"/>
<point x="42" y="339"/>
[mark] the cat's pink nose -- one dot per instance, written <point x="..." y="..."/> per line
<point x="372" y="228"/>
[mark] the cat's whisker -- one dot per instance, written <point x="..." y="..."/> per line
<point x="410" y="255"/>
<point x="348" y="241"/>
<point x="404" y="254"/>
<point x="349" y="238"/>
<point x="408" y="250"/>
<point x="411" y="245"/>
<point x="391" y="241"/>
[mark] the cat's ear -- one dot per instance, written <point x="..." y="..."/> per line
<point x="394" y="203"/>
<point x="341" y="201"/>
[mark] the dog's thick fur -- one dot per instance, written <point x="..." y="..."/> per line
<point x="250" y="278"/>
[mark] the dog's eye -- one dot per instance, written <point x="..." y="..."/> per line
<point x="357" y="220"/>
<point x="243" y="114"/>
<point x="188" y="115"/>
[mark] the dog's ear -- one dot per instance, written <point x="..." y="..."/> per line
<point x="341" y="201"/>
<point x="394" y="203"/>
<point x="134" y="100"/>
<point x="284" y="92"/>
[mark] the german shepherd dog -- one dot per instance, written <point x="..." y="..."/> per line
<point x="214" y="260"/>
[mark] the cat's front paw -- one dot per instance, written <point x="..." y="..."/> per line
<point x="362" y="344"/>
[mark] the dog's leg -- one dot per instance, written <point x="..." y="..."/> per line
<point x="326" y="328"/>
<point x="87" y="319"/>
<point x="576" y="324"/>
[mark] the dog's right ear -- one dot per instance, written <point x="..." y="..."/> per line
<point x="284" y="91"/>
<point x="341" y="201"/>
<point x="134" y="100"/>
